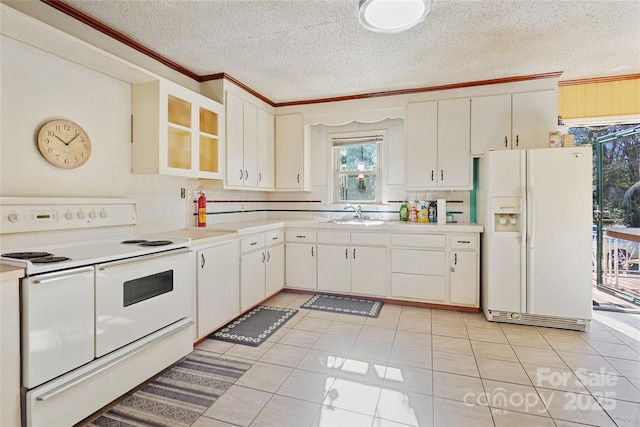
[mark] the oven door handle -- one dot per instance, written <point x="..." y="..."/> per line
<point x="60" y="276"/>
<point x="143" y="258"/>
<point x="97" y="370"/>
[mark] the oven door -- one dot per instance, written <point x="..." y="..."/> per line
<point x="57" y="323"/>
<point x="138" y="296"/>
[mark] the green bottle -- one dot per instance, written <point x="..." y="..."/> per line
<point x="404" y="212"/>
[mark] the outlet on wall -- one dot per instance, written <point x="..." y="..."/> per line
<point x="183" y="193"/>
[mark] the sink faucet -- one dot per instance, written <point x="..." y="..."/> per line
<point x="357" y="210"/>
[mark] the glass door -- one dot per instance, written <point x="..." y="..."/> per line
<point x="616" y="208"/>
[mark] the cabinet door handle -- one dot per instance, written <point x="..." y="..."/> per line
<point x="274" y="238"/>
<point x="354" y="253"/>
<point x="246" y="174"/>
<point x="301" y="236"/>
<point x="259" y="176"/>
<point x="346" y="253"/>
<point x="241" y="174"/>
<point x="441" y="174"/>
<point x="253" y="243"/>
<point x="202" y="261"/>
<point x="455" y="259"/>
<point x="263" y="257"/>
<point x="298" y="178"/>
<point x="268" y="256"/>
<point x="312" y="251"/>
<point x="505" y="142"/>
<point x="464" y="241"/>
<point x="431" y="175"/>
<point x="517" y="140"/>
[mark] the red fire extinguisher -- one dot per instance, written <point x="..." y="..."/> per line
<point x="202" y="210"/>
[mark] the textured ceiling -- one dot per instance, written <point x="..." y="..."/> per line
<point x="289" y="50"/>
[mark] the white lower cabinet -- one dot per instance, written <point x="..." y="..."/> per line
<point x="334" y="272"/>
<point x="274" y="280"/>
<point x="252" y="279"/>
<point x="418" y="274"/>
<point x="436" y="267"/>
<point x="261" y="267"/>
<point x="217" y="286"/>
<point x="352" y="268"/>
<point x="369" y="271"/>
<point x="300" y="259"/>
<point x="464" y="272"/>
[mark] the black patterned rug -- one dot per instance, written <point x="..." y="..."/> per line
<point x="178" y="396"/>
<point x="255" y="326"/>
<point x="346" y="305"/>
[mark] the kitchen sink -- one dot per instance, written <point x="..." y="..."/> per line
<point x="357" y="221"/>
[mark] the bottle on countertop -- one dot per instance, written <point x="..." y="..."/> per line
<point x="432" y="211"/>
<point x="413" y="212"/>
<point x="404" y="212"/>
<point x="423" y="212"/>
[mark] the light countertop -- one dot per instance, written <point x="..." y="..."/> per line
<point x="257" y="226"/>
<point x="9" y="272"/>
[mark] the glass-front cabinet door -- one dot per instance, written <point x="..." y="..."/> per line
<point x="176" y="132"/>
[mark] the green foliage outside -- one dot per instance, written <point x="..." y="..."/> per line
<point x="620" y="173"/>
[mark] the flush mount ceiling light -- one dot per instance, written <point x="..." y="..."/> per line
<point x="392" y="16"/>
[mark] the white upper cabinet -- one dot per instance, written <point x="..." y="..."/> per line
<point x="534" y="115"/>
<point x="266" y="150"/>
<point x="292" y="154"/>
<point x="176" y="132"/>
<point x="437" y="155"/>
<point x="250" y="145"/>
<point x="512" y="121"/>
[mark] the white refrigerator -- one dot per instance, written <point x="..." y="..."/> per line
<point x="536" y="254"/>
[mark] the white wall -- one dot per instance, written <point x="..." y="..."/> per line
<point x="38" y="87"/>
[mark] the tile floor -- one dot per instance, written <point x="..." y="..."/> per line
<point x="426" y="367"/>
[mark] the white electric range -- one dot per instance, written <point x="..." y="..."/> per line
<point x="97" y="301"/>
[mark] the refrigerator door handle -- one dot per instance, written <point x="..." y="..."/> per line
<point x="526" y="227"/>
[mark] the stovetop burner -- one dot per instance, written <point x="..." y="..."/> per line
<point x="49" y="259"/>
<point x="156" y="243"/>
<point x="27" y="255"/>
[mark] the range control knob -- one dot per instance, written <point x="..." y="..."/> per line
<point x="103" y="214"/>
<point x="68" y="215"/>
<point x="14" y="217"/>
<point x="92" y="215"/>
<point x="80" y="215"/>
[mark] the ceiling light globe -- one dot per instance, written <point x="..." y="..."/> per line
<point x="392" y="16"/>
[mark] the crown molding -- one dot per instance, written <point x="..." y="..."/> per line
<point x="99" y="26"/>
<point x="599" y="80"/>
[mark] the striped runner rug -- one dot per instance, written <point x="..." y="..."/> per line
<point x="177" y="396"/>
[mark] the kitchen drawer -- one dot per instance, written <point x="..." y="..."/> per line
<point x="274" y="237"/>
<point x="419" y="240"/>
<point x="301" y="236"/>
<point x="462" y="242"/>
<point x="430" y="288"/>
<point x="418" y="262"/>
<point x="379" y="239"/>
<point x="333" y="237"/>
<point x="252" y="243"/>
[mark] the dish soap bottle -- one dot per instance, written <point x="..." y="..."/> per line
<point x="404" y="212"/>
<point x="413" y="212"/>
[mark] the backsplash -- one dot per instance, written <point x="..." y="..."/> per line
<point x="225" y="206"/>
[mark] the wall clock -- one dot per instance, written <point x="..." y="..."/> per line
<point x="64" y="144"/>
